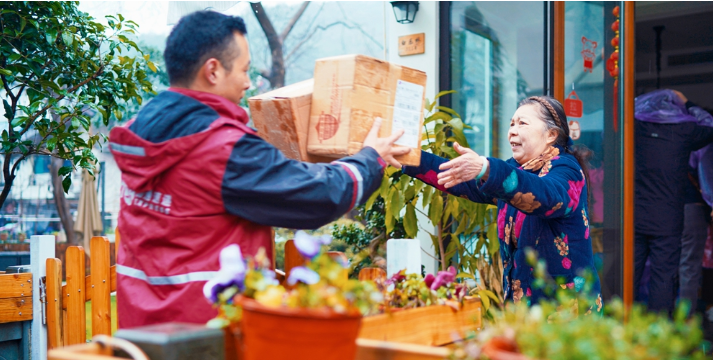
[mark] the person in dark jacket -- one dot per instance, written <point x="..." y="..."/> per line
<point x="541" y="195"/>
<point x="666" y="132"/>
<point x="196" y="178"/>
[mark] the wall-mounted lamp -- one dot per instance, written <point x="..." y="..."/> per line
<point x="405" y="11"/>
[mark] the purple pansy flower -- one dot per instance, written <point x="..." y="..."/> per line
<point x="309" y="246"/>
<point x="302" y="274"/>
<point x="231" y="273"/>
<point x="444" y="278"/>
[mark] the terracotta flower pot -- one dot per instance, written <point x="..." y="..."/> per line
<point x="296" y="334"/>
<point x="500" y="348"/>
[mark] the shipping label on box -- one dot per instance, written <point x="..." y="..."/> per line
<point x="281" y="117"/>
<point x="350" y="91"/>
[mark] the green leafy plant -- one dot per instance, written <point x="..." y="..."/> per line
<point x="58" y="67"/>
<point x="565" y="326"/>
<point x="365" y="240"/>
<point x="465" y="232"/>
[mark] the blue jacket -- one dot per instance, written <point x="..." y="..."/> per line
<point x="541" y="205"/>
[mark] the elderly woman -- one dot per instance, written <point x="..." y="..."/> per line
<point x="541" y="194"/>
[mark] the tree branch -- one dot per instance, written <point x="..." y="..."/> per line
<point x="264" y="73"/>
<point x="273" y="39"/>
<point x="277" y="68"/>
<point x="320" y="27"/>
<point x="293" y="21"/>
<point x="14" y="167"/>
<point x="32" y="118"/>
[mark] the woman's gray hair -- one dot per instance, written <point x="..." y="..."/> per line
<point x="552" y="114"/>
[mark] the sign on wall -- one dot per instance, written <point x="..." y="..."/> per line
<point x="412" y="44"/>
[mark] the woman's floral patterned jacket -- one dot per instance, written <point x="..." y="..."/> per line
<point x="541" y="205"/>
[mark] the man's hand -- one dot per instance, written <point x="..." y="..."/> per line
<point x="385" y="146"/>
<point x="461" y="169"/>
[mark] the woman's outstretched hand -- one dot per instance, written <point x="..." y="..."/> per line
<point x="461" y="169"/>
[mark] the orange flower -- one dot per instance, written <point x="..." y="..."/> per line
<point x="525" y="202"/>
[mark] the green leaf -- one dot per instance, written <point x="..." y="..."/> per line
<point x="389" y="220"/>
<point x="444" y="92"/>
<point x="51" y="35"/>
<point x="403" y="182"/>
<point x="438" y="116"/>
<point x="461" y="226"/>
<point x="493" y="241"/>
<point x="5" y="72"/>
<point x="64" y="171"/>
<point x="410" y="222"/>
<point x="396" y="203"/>
<point x="67" y="38"/>
<point x="384" y="188"/>
<point x="448" y="110"/>
<point x="370" y="201"/>
<point x="66" y="183"/>
<point x="9" y="114"/>
<point x="435" y="211"/>
<point x="426" y="195"/>
<point x="464" y="275"/>
<point x="485" y="300"/>
<point x="23" y="22"/>
<point x="152" y="66"/>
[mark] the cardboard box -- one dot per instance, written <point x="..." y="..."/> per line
<point x="282" y="116"/>
<point x="350" y="91"/>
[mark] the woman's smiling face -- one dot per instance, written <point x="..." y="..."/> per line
<point x="528" y="135"/>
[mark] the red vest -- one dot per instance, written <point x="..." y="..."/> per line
<point x="173" y="223"/>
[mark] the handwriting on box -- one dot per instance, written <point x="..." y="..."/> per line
<point x="407" y="112"/>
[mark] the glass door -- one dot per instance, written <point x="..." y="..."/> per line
<point x="593" y="88"/>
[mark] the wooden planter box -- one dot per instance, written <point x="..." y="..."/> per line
<point x="366" y="350"/>
<point x="431" y="325"/>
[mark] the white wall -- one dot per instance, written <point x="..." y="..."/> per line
<point x="426" y="22"/>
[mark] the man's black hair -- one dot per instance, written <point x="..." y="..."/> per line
<point x="198" y="37"/>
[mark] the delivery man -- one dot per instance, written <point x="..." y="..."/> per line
<point x="196" y="178"/>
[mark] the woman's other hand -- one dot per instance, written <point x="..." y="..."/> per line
<point x="464" y="168"/>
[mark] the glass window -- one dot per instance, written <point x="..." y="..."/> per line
<point x="497" y="59"/>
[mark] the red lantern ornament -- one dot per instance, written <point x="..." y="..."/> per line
<point x="613" y="67"/>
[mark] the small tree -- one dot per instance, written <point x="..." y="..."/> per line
<point x="465" y="233"/>
<point x="58" y="68"/>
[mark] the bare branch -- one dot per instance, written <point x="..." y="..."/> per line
<point x="14" y="167"/>
<point x="264" y="73"/>
<point x="320" y="27"/>
<point x="277" y="68"/>
<point x="293" y="21"/>
<point x="429" y="255"/>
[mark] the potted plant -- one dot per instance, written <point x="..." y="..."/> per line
<point x="317" y="316"/>
<point x="425" y="311"/>
<point x="574" y="325"/>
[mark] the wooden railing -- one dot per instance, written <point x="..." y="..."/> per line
<point x="66" y="305"/>
<point x="15" y="297"/>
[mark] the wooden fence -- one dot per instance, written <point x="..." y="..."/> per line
<point x="66" y="314"/>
